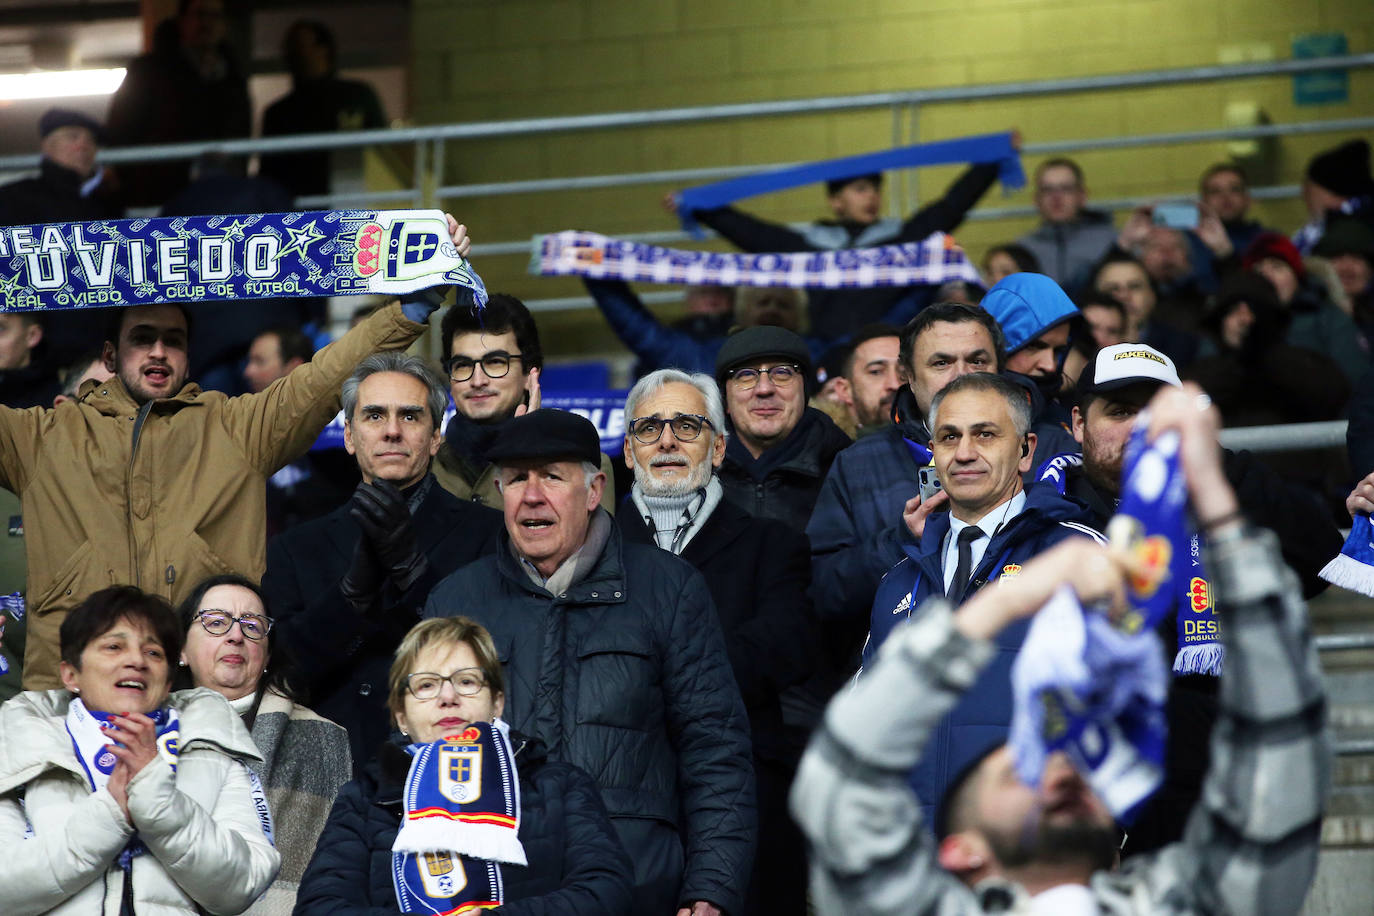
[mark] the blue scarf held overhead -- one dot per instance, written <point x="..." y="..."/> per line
<point x="1353" y="567"/>
<point x="247" y="256"/>
<point x="930" y="262"/>
<point x="1198" y="630"/>
<point x="984" y="148"/>
<point x="1094" y="689"/>
<point x="461" y="820"/>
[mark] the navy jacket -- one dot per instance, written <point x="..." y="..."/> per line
<point x="576" y="863"/>
<point x="345" y="657"/>
<point x="626" y="676"/>
<point x="983" y="714"/>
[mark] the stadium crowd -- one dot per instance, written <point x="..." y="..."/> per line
<point x="786" y="639"/>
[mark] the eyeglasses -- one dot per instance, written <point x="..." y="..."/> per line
<point x="495" y="364"/>
<point x="425" y="685"/>
<point x="782" y="376"/>
<point x="686" y="427"/>
<point x="217" y="623"/>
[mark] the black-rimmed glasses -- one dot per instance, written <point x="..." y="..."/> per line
<point x="686" y="427"/>
<point x="495" y="364"/>
<point x="217" y="623"/>
<point x="426" y="685"/>
<point x="782" y="376"/>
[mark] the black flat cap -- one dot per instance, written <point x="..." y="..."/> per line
<point x="55" y="118"/>
<point x="762" y="342"/>
<point x="547" y="434"/>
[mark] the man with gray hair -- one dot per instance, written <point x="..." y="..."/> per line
<point x="614" y="658"/>
<point x="346" y="587"/>
<point x="982" y="443"/>
<point x="758" y="571"/>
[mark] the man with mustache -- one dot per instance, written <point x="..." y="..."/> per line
<point x="871" y="377"/>
<point x="147" y="480"/>
<point x="1002" y="846"/>
<point x="346" y="587"/>
<point x="757" y="571"/>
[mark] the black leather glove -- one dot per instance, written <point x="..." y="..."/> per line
<point x="362" y="584"/>
<point x="380" y="510"/>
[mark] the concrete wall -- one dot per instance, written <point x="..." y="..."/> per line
<point x="496" y="59"/>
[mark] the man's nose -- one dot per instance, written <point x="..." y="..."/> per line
<point x="533" y="492"/>
<point x="964" y="450"/>
<point x="765" y="385"/>
<point x="158" y="349"/>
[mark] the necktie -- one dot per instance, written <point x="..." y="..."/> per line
<point x="963" y="570"/>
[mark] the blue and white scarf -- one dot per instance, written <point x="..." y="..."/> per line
<point x="931" y="262"/>
<point x="1095" y="689"/>
<point x="985" y="148"/>
<point x="92" y="746"/>
<point x="1353" y="567"/>
<point x="187" y="259"/>
<point x="1198" y="629"/>
<point x="461" y="820"/>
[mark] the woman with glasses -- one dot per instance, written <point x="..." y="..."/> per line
<point x="446" y="696"/>
<point x="230" y="648"/>
<point x="118" y="797"/>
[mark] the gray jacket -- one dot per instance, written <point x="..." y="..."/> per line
<point x="1067" y="252"/>
<point x="1250" y="845"/>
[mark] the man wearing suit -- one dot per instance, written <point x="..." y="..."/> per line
<point x="757" y="571"/>
<point x="345" y="588"/>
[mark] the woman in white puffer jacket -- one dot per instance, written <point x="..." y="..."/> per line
<point x="117" y="798"/>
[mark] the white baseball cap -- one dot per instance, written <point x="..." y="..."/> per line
<point x="1127" y="364"/>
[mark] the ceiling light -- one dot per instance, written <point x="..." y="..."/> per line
<point x="52" y="84"/>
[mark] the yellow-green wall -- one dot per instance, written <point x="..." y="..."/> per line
<point x="498" y="59"/>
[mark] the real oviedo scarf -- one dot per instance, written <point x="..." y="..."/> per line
<point x="461" y="820"/>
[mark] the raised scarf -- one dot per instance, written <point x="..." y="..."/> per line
<point x="1096" y="689"/>
<point x="984" y="148"/>
<point x="186" y="259"/>
<point x="1353" y="567"/>
<point x="933" y="261"/>
<point x="1197" y="627"/>
<point x="461" y="821"/>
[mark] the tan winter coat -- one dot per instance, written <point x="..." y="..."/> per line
<point x="163" y="496"/>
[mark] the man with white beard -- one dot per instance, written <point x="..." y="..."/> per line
<point x="758" y="571"/>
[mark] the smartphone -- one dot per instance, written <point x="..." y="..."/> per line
<point x="929" y="483"/>
<point x="1176" y="216"/>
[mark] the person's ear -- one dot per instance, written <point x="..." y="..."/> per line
<point x="717" y="449"/>
<point x="844" y="392"/>
<point x="402" y="724"/>
<point x="33" y="335"/>
<point x="629" y="453"/>
<point x="966" y="855"/>
<point x="594" y="491"/>
<point x="1079" y="420"/>
<point x="435" y="440"/>
<point x="68" y="673"/>
<point x="1027" y="453"/>
<point x="348" y="438"/>
<point x="107" y="355"/>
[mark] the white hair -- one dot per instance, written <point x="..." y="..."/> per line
<point x="655" y="382"/>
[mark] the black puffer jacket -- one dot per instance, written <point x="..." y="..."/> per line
<point x="785" y="481"/>
<point x="626" y="676"/>
<point x="576" y="863"/>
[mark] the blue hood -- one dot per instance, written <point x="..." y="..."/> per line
<point x="1027" y="305"/>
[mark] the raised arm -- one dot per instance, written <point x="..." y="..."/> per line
<point x="945" y="214"/>
<point x="642" y="332"/>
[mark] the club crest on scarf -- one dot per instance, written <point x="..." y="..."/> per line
<point x="460" y="767"/>
<point x="247" y="256"/>
<point x="461" y="820"/>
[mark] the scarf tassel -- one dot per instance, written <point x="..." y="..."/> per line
<point x="497" y="842"/>
<point x="1203" y="659"/>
